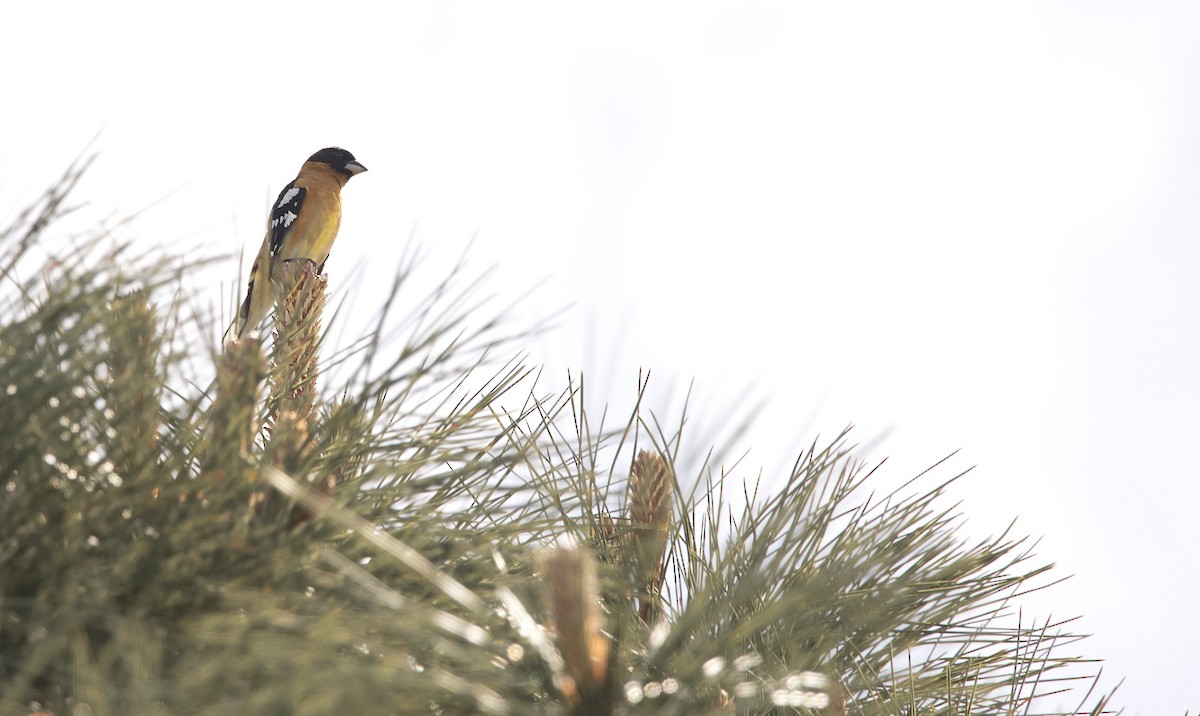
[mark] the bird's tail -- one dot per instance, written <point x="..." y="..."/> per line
<point x="241" y="322"/>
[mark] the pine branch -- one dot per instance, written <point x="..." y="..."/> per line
<point x="152" y="558"/>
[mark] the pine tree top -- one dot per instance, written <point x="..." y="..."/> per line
<point x="437" y="533"/>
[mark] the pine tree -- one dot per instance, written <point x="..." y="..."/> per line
<point x="437" y="534"/>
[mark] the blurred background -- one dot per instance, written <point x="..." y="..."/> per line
<point x="953" y="226"/>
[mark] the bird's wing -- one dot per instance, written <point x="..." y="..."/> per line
<point x="283" y="214"/>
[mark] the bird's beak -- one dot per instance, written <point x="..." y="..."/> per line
<point x="355" y="168"/>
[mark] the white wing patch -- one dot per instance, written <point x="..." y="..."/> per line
<point x="287" y="197"/>
<point x="285" y="218"/>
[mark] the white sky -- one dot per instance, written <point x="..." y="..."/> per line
<point x="970" y="226"/>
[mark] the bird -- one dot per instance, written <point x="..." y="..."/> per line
<point x="302" y="226"/>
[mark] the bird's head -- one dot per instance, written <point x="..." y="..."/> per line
<point x="342" y="161"/>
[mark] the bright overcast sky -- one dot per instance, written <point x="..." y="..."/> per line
<point x="953" y="225"/>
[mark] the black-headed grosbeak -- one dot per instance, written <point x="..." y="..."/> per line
<point x="304" y="222"/>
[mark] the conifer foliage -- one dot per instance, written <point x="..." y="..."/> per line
<point x="414" y="525"/>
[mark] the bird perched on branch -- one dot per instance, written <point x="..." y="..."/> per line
<point x="304" y="222"/>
